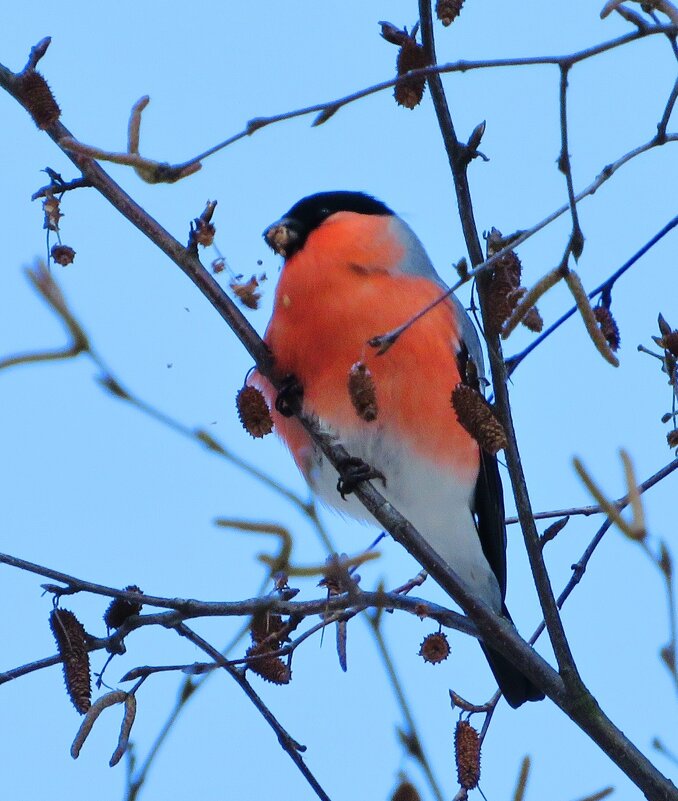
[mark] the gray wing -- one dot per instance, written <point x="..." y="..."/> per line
<point x="418" y="263"/>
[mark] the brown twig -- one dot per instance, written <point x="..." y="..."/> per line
<point x="513" y="361"/>
<point x="666" y="116"/>
<point x="116" y="388"/>
<point x="58" y="186"/>
<point x="652" y="782"/>
<point x="383" y="341"/>
<point x="579" y="568"/>
<point x="576" y="243"/>
<point x="330" y="107"/>
<point x="493" y="628"/>
<point x="458" y="165"/>
<point x="411" y="732"/>
<point x="291" y="747"/>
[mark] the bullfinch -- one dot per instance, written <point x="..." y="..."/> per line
<point x="354" y="269"/>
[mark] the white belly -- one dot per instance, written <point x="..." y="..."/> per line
<point x="437" y="506"/>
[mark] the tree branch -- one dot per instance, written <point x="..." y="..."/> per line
<point x="513" y="361"/>
<point x="292" y="748"/>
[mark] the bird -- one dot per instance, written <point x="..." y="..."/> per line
<point x="354" y="269"/>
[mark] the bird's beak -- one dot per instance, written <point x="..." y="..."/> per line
<point x="282" y="237"/>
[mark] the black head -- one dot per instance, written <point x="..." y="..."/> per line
<point x="289" y="234"/>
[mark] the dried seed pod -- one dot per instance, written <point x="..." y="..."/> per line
<point x="34" y="93"/>
<point x="461" y="268"/>
<point x="120" y="609"/>
<point x="435" y="648"/>
<point x="51" y="208"/>
<point x="253" y="412"/>
<point x="576" y="287"/>
<point x="63" y="255"/>
<point x="408" y="92"/>
<point x="337" y="579"/>
<point x="71" y="641"/>
<point x="264" y="625"/>
<point x="672" y="438"/>
<point x="218" y="266"/>
<point x="363" y="392"/>
<point x="405" y="791"/>
<point x="668" y="340"/>
<point x="478" y="418"/>
<point x="526" y="312"/>
<point x="533" y="320"/>
<point x="608" y="325"/>
<point x="103" y="702"/>
<point x="503" y="292"/>
<point x="203" y="233"/>
<point x="247" y="293"/>
<point x="448" y="10"/>
<point x="125" y="729"/>
<point x="467" y="755"/>
<point x="272" y="668"/>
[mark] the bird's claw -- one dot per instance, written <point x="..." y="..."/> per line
<point x="290" y="396"/>
<point x="352" y="472"/>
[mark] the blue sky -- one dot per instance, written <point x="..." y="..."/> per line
<point x="92" y="487"/>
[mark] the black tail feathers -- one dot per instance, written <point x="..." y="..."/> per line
<point x="515" y="686"/>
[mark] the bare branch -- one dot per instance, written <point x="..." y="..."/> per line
<point x="325" y="110"/>
<point x="576" y="243"/>
<point x="513" y="361"/>
<point x="384" y="341"/>
<point x="292" y="748"/>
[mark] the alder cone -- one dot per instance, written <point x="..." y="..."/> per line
<point x="71" y="640"/>
<point x="448" y="10"/>
<point x="34" y="92"/>
<point x="467" y="755"/>
<point x="253" y="412"/>
<point x="409" y="92"/>
<point x="608" y="325"/>
<point x="435" y="648"/>
<point x="363" y="392"/>
<point x="119" y="610"/>
<point x="478" y="418"/>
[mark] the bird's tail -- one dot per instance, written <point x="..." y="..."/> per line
<point x="514" y="685"/>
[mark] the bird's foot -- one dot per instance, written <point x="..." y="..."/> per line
<point x="352" y="472"/>
<point x="290" y="396"/>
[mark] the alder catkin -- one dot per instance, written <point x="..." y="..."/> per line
<point x="467" y="755"/>
<point x="253" y="412"/>
<point x="478" y="418"/>
<point x="71" y="640"/>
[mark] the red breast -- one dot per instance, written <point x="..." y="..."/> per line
<point x="342" y="288"/>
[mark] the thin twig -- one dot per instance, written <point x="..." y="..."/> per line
<point x="58" y="187"/>
<point x="576" y="237"/>
<point x="335" y="104"/>
<point x="292" y="748"/>
<point x="670" y="103"/>
<point x="384" y="340"/>
<point x="186" y="691"/>
<point x="513" y="361"/>
<point x="413" y="736"/>
<point x="459" y="164"/>
<point x="579" y="568"/>
<point x="492" y="627"/>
